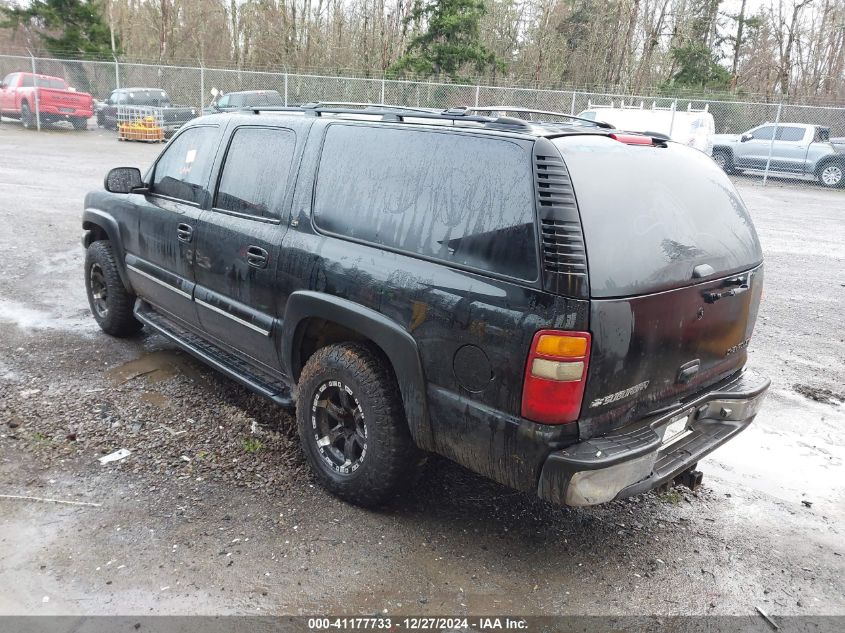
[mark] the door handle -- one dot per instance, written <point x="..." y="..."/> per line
<point x="184" y="232"/>
<point x="256" y="257"/>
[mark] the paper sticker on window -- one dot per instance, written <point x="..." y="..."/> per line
<point x="191" y="156"/>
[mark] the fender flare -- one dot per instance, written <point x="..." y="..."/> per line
<point x="95" y="218"/>
<point x="396" y="343"/>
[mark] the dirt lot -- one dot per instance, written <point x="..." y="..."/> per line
<point x="214" y="511"/>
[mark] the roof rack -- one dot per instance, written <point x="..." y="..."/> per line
<point x="521" y="110"/>
<point x="387" y="112"/>
<point x="396" y="113"/>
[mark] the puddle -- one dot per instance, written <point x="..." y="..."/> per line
<point x="155" y="367"/>
<point x="786" y="464"/>
<point x="28" y="318"/>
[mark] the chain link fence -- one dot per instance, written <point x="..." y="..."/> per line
<point x="771" y="155"/>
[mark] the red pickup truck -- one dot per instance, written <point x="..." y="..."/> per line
<point x="22" y="93"/>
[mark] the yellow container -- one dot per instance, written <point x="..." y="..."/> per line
<point x="144" y="129"/>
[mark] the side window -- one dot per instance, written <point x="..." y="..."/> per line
<point x="462" y="199"/>
<point x="223" y="102"/>
<point x="10" y="79"/>
<point x="790" y="133"/>
<point x="255" y="173"/>
<point x="764" y="133"/>
<point x="27" y="81"/>
<point x="182" y="171"/>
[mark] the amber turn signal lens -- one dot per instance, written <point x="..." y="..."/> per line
<point x="561" y="346"/>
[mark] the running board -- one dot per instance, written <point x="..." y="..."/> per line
<point x="254" y="379"/>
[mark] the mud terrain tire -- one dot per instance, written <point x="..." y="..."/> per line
<point x="347" y="395"/>
<point x="111" y="304"/>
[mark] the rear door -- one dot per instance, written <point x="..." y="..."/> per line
<point x="239" y="240"/>
<point x="160" y="253"/>
<point x="791" y="144"/>
<point x="675" y="275"/>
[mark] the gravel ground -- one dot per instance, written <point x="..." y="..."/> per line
<point x="214" y="511"/>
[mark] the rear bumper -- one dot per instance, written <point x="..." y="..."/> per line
<point x="635" y="458"/>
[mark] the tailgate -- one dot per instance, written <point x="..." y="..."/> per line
<point x="64" y="98"/>
<point x="650" y="351"/>
<point x="675" y="275"/>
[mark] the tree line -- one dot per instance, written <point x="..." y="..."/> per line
<point x="765" y="48"/>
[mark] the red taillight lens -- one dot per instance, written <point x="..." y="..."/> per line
<point x="555" y="376"/>
<point x="633" y="139"/>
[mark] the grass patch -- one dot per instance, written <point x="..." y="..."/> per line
<point x="252" y="445"/>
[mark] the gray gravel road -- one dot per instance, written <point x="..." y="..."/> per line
<point x="214" y="511"/>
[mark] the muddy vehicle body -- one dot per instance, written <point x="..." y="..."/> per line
<point x="420" y="282"/>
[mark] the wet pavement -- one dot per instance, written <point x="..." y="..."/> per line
<point x="214" y="511"/>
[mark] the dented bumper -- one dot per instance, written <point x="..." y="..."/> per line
<point x="653" y="451"/>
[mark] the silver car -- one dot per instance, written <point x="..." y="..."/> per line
<point x="788" y="148"/>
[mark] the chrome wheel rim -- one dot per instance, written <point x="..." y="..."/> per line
<point x="832" y="175"/>
<point x="338" y="426"/>
<point x="720" y="160"/>
<point x="99" y="291"/>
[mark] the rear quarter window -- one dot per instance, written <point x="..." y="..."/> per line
<point x="461" y="199"/>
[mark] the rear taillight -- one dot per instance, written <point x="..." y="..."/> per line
<point x="555" y="376"/>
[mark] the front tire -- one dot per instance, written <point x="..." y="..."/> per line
<point x="724" y="160"/>
<point x="831" y="174"/>
<point x="352" y="424"/>
<point x="111" y="304"/>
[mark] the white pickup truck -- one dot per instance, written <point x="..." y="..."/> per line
<point x="788" y="148"/>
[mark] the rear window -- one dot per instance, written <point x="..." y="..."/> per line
<point x="461" y="199"/>
<point x="53" y="83"/>
<point x="263" y="99"/>
<point x="157" y="98"/>
<point x="650" y="215"/>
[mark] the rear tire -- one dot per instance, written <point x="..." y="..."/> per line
<point x="26" y="116"/>
<point x="352" y="425"/>
<point x="111" y="304"/>
<point x="79" y="123"/>
<point x="724" y="160"/>
<point x="831" y="174"/>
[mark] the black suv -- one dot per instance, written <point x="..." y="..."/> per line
<point x="564" y="309"/>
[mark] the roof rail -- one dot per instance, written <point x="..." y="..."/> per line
<point x="395" y="113"/>
<point x="520" y="110"/>
<point x="387" y="112"/>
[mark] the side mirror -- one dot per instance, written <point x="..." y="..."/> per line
<point x="124" y="180"/>
<point x="746" y="137"/>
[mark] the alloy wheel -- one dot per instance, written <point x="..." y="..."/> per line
<point x="832" y="175"/>
<point x="339" y="428"/>
<point x="99" y="291"/>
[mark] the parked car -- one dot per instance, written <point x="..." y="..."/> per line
<point x="21" y="94"/>
<point x="797" y="149"/>
<point x="244" y="99"/>
<point x="128" y="105"/>
<point x="468" y="285"/>
<point x="694" y="128"/>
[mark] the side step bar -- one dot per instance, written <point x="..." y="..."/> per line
<point x="229" y="364"/>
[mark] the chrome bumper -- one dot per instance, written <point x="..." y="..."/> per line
<point x="635" y="458"/>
